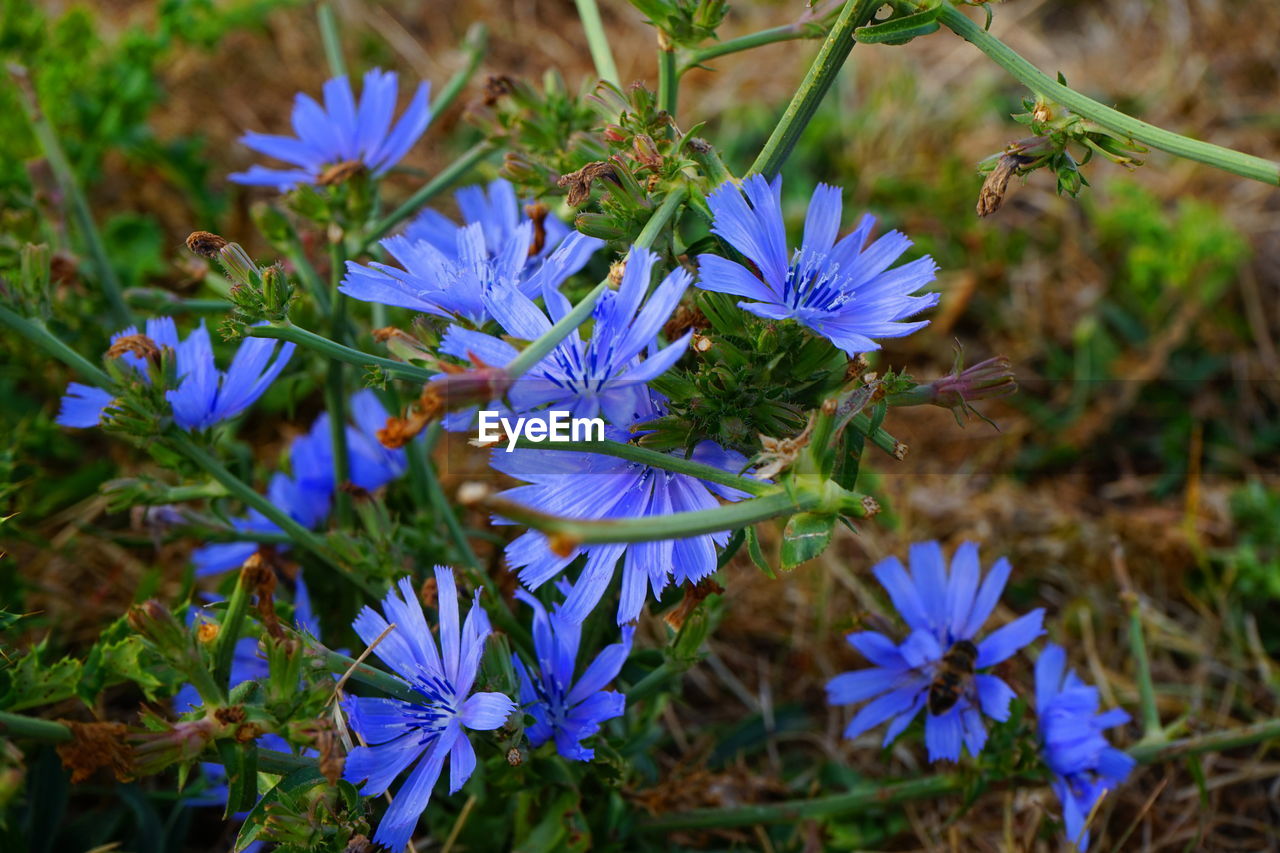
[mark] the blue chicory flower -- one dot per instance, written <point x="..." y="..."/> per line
<point x="940" y="607"/>
<point x="498" y="211"/>
<point x="400" y="733"/>
<point x="456" y="284"/>
<point x="307" y="495"/>
<point x="841" y="290"/>
<point x="205" y="396"/>
<point x="341" y="132"/>
<point x="592" y="486"/>
<point x="1084" y="764"/>
<point x="605" y="372"/>
<point x="563" y="710"/>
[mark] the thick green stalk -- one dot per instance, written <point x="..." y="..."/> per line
<point x="335" y="389"/>
<point x="332" y="43"/>
<point x="668" y="77"/>
<point x="675" y="526"/>
<point x="598" y="42"/>
<point x="240" y="490"/>
<point x="474" y="44"/>
<point x="338" y="663"/>
<point x="35" y="332"/>
<point x="441" y="182"/>
<point x="1226" y="159"/>
<point x="655" y="459"/>
<point x="822" y="73"/>
<point x="66" y="178"/>
<point x="338" y="352"/>
<point x="538" y="350"/>
<point x="224" y="645"/>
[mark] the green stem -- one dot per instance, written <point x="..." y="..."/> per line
<point x="1151" y="728"/>
<point x="793" y="811"/>
<point x="306" y="271"/>
<point x="17" y="725"/>
<point x="540" y="348"/>
<point x="224" y="645"/>
<point x="335" y="389"/>
<point x="861" y="423"/>
<point x="655" y="459"/>
<point x="338" y="352"/>
<point x="598" y="42"/>
<point x="338" y="663"/>
<point x="441" y="182"/>
<point x="675" y="526"/>
<point x="475" y="43"/>
<point x="36" y="333"/>
<point x="1226" y="159"/>
<point x="932" y="786"/>
<point x="668" y="77"/>
<point x="66" y="179"/>
<point x="246" y="495"/>
<point x="822" y="73"/>
<point x="332" y="44"/>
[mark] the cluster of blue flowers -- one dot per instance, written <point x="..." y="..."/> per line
<point x="485" y="276"/>
<point x="945" y="608"/>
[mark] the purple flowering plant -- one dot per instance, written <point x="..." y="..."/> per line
<point x="590" y="256"/>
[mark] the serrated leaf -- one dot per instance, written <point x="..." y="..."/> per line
<point x="806" y="535"/>
<point x="29" y="682"/>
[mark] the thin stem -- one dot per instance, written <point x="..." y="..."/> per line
<point x="17" y="725"/>
<point x="822" y="73"/>
<point x="66" y="178"/>
<point x="668" y="77"/>
<point x="675" y="526"/>
<point x="335" y="389"/>
<point x="475" y="43"/>
<point x="441" y="182"/>
<point x="1245" y="165"/>
<point x="861" y="423"/>
<point x="1151" y="728"/>
<point x="246" y="495"/>
<point x="540" y="348"/>
<point x="338" y="352"/>
<point x="1153" y="753"/>
<point x="332" y="44"/>
<point x="306" y="271"/>
<point x="36" y="333"/>
<point x="656" y="459"/>
<point x="164" y="302"/>
<point x="598" y="42"/>
<point x="808" y="26"/>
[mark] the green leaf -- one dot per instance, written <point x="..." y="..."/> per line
<point x="899" y="30"/>
<point x="756" y="554"/>
<point x="562" y="828"/>
<point x="31" y="682"/>
<point x="298" y="782"/>
<point x="806" y="535"/>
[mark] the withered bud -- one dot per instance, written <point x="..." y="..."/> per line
<point x="871" y="506"/>
<point x="207" y="632"/>
<point x="579" y="183"/>
<point x="140" y="345"/>
<point x="685" y="317"/>
<point x="229" y="716"/>
<point x="701" y="343"/>
<point x="617" y="270"/>
<point x="514" y="758"/>
<point x="537" y="213"/>
<point x="429" y="592"/>
<point x="693" y="596"/>
<point x="646" y="151"/>
<point x="94" y="746"/>
<point x="1019" y="154"/>
<point x="496" y="86"/>
<point x="206" y="244"/>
